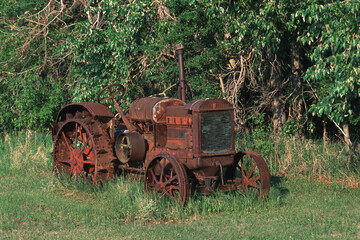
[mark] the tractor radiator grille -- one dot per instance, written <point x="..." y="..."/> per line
<point x="216" y="132"/>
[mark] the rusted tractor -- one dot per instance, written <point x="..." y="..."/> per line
<point x="178" y="147"/>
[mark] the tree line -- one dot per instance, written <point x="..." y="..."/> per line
<point x="292" y="66"/>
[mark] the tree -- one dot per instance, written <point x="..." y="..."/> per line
<point x="249" y="52"/>
<point x="32" y="74"/>
<point x="333" y="34"/>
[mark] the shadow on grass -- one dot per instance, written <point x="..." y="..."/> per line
<point x="276" y="183"/>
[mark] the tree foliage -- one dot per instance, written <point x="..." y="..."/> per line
<point x="276" y="59"/>
<point x="333" y="33"/>
<point x="32" y="72"/>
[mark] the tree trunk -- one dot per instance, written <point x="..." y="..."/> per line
<point x="296" y="68"/>
<point x="277" y="101"/>
<point x="325" y="135"/>
<point x="347" y="133"/>
<point x="278" y="113"/>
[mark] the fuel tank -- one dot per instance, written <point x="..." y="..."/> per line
<point x="152" y="109"/>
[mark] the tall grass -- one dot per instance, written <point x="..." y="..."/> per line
<point x="26" y="163"/>
<point x="29" y="151"/>
<point x="293" y="156"/>
<point x="25" y="152"/>
<point x="37" y="205"/>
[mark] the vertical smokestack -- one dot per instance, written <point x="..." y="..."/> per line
<point x="181" y="90"/>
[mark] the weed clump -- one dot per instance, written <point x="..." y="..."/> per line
<point x="26" y="152"/>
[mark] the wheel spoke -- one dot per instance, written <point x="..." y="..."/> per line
<point x="84" y="146"/>
<point x="170" y="180"/>
<point x="162" y="169"/>
<point x="76" y="135"/>
<point x="117" y="92"/>
<point x="125" y="142"/>
<point x="64" y="161"/>
<point x="124" y="145"/>
<point x="89" y="162"/>
<point x="253" y="184"/>
<point x="87" y="150"/>
<point x="90" y="159"/>
<point x="153" y="175"/>
<point x="169" y="191"/>
<point x="163" y="194"/>
<point x="110" y="93"/>
<point x="84" y="138"/>
<point x="85" y="178"/>
<point x="254" y="179"/>
<point x="172" y="188"/>
<point x="171" y="174"/>
<point x="252" y="169"/>
<point x="242" y="169"/>
<point x="125" y="149"/>
<point x="66" y="141"/>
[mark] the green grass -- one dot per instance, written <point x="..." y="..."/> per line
<point x="36" y="205"/>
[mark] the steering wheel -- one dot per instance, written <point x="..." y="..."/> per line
<point x="113" y="90"/>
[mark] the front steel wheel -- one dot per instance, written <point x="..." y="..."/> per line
<point x="249" y="173"/>
<point x="167" y="176"/>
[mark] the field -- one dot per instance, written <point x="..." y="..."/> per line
<point x="315" y="195"/>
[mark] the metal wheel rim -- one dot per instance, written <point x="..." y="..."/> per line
<point x="75" y="151"/>
<point x="254" y="175"/>
<point x="167" y="177"/>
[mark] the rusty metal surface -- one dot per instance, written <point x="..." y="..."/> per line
<point x="192" y="162"/>
<point x="130" y="147"/>
<point x="253" y="171"/>
<point x="178" y="115"/>
<point x="152" y="109"/>
<point x="199" y="137"/>
<point x="182" y="87"/>
<point x="167" y="176"/>
<point x="179" y="137"/>
<point x="95" y="109"/>
<point x="184" y="155"/>
<point x="110" y="93"/>
<point x="209" y="162"/>
<point x="263" y="169"/>
<point x="82" y="148"/>
<point x="208" y="104"/>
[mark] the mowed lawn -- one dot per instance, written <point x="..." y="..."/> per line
<point x="36" y="205"/>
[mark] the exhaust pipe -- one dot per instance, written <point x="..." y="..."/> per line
<point x="181" y="89"/>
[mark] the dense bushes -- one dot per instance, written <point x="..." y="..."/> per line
<point x="270" y="59"/>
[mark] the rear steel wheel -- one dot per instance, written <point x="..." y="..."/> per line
<point x="249" y="173"/>
<point x="167" y="176"/>
<point x="82" y="148"/>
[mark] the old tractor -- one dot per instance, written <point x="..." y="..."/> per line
<point x="178" y="147"/>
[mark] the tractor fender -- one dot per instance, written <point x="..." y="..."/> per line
<point x="95" y="109"/>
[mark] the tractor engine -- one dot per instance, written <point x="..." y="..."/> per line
<point x="200" y="134"/>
